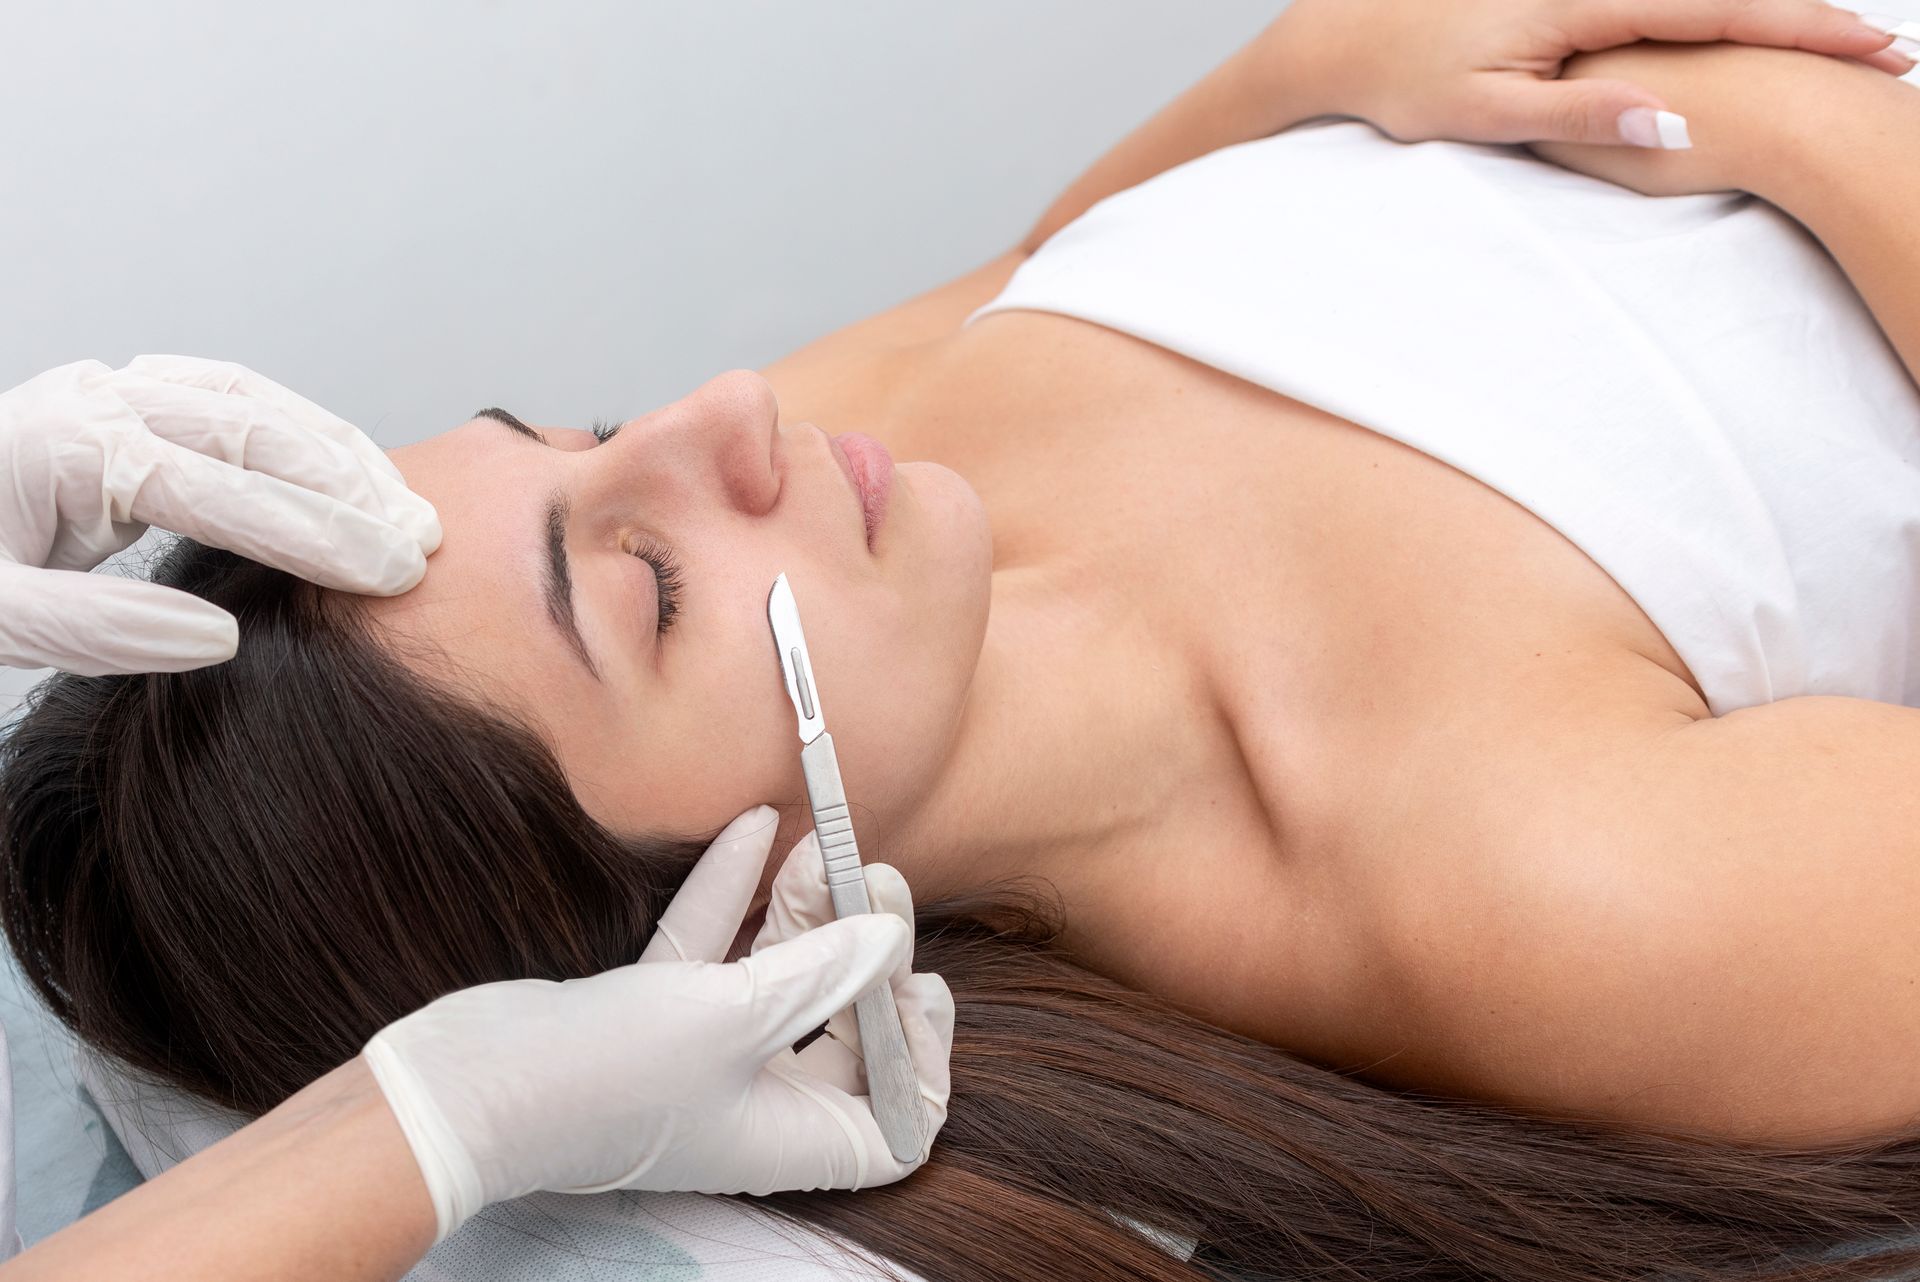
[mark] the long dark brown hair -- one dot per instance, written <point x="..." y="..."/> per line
<point x="230" y="878"/>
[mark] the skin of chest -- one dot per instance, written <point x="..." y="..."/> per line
<point x="1350" y="609"/>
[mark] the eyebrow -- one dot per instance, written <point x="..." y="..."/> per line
<point x="505" y="419"/>
<point x="557" y="578"/>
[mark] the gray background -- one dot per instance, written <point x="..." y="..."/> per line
<point x="409" y="210"/>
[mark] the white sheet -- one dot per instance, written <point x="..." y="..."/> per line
<point x="1688" y="388"/>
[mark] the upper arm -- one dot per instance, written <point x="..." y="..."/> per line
<point x="1716" y="928"/>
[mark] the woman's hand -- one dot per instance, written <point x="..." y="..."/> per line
<point x="1745" y="100"/>
<point x="1486" y="70"/>
<point x="1701" y="81"/>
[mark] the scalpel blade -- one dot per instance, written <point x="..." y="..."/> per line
<point x="796" y="666"/>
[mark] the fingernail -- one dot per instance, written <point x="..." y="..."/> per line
<point x="1906" y="47"/>
<point x="1884" y="23"/>
<point x="1645" y="127"/>
<point x="752" y="821"/>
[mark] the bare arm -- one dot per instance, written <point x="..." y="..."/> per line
<point x="324" y="1186"/>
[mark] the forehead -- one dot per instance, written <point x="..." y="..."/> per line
<point x="434" y="466"/>
<point x="479" y="606"/>
<point x="469" y="472"/>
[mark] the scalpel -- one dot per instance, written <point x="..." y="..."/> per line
<point x="891" y="1084"/>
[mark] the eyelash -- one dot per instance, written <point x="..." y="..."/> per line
<point x="667" y="578"/>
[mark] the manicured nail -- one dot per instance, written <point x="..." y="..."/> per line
<point x="1884" y="23"/>
<point x="1645" y="127"/>
<point x="1906" y="47"/>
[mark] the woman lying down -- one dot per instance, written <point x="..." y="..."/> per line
<point x="1393" y="672"/>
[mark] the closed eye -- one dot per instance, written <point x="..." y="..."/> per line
<point x="666" y="581"/>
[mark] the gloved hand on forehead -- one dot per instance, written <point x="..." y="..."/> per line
<point x="92" y="456"/>
<point x="676" y="1073"/>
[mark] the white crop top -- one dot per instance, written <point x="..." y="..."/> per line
<point x="1687" y="388"/>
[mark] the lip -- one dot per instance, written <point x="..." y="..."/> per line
<point x="870" y="469"/>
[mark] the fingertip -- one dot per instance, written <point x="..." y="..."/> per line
<point x="207" y="640"/>
<point x="223" y="638"/>
<point x="195" y="622"/>
<point x="1653" y="128"/>
<point x="738" y="855"/>
<point x="801" y="882"/>
<point x="198" y="633"/>
<point x="927" y="995"/>
<point x="876" y="943"/>
<point x="702" y="921"/>
<point x="892" y="935"/>
<point x="430" y="532"/>
<point x="804" y="980"/>
<point x="408" y="565"/>
<point x="415" y="517"/>
<point x="888" y="890"/>
<point x="1886" y="24"/>
<point x="760" y="820"/>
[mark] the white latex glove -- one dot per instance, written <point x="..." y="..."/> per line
<point x="673" y="1074"/>
<point x="802" y="902"/>
<point x="90" y="457"/>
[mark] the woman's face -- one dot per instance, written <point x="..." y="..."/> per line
<point x="681" y="730"/>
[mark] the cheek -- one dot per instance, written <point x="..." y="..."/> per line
<point x="898" y="688"/>
<point x="726" y="743"/>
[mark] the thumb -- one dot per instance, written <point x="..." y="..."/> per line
<point x="700" y="923"/>
<point x="95" y="624"/>
<point x="800" y="983"/>
<point x="1600" y="112"/>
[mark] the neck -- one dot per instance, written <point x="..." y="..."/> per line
<point x="1059" y="755"/>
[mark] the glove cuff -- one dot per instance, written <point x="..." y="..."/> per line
<point x="452" y="1181"/>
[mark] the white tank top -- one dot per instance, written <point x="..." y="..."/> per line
<point x="1687" y="388"/>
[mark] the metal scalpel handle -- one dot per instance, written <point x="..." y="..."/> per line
<point x="891" y="1084"/>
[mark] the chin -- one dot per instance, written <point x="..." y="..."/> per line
<point x="951" y="509"/>
<point x="955" y="538"/>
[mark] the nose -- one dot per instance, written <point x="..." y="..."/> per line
<point x="722" y="434"/>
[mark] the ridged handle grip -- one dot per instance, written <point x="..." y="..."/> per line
<point x="891" y="1084"/>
